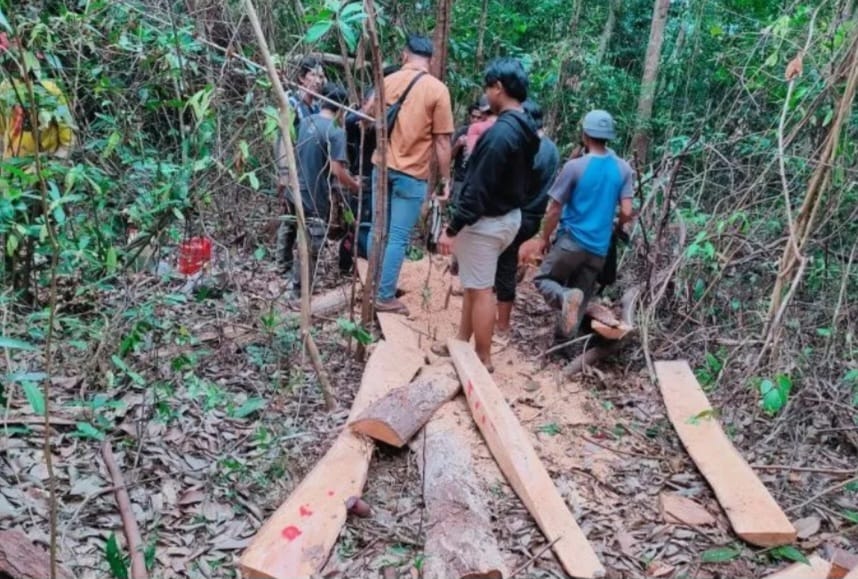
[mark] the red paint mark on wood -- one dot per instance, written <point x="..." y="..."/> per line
<point x="291" y="533"/>
<point x="477" y="405"/>
<point x="305" y="511"/>
<point x="470" y="388"/>
<point x="330" y="493"/>
<point x="483" y="420"/>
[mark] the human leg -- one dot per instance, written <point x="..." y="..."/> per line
<point x="506" y="275"/>
<point x="406" y="199"/>
<point x="483" y="313"/>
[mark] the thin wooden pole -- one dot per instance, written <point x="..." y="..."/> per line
<point x="303" y="248"/>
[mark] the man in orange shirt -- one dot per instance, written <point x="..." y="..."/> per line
<point x="423" y="127"/>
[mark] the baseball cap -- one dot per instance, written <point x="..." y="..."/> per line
<point x="599" y="124"/>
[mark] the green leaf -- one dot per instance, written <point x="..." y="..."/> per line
<point x="824" y="332"/>
<point x="87" y="430"/>
<point x="789" y="553"/>
<point x="15" y="344"/>
<point x="851" y="516"/>
<point x="551" y="429"/>
<point x="115" y="558"/>
<point x="249" y="407"/>
<point x="34" y="397"/>
<point x="719" y="555"/>
<point x="317" y="31"/>
<point x="851" y="375"/>
<point x="773" y="398"/>
<point x="4" y="22"/>
<point x="708" y="414"/>
<point x="852" y="487"/>
<point x="110" y="259"/>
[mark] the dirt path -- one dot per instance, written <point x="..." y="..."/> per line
<point x="605" y="442"/>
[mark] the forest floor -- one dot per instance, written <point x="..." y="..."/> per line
<point x="213" y="427"/>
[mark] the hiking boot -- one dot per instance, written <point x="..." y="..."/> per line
<point x="569" y="312"/>
<point x="393" y="306"/>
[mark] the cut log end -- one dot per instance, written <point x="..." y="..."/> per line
<point x="378" y="430"/>
<point x="610" y="332"/>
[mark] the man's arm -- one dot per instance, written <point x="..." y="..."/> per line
<point x="628" y="192"/>
<point x="443" y="154"/>
<point x="344" y="178"/>
<point x="549" y="223"/>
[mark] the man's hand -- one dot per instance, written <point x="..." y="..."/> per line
<point x="445" y="191"/>
<point x="531" y="251"/>
<point x="445" y="244"/>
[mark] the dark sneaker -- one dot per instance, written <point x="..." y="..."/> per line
<point x="569" y="312"/>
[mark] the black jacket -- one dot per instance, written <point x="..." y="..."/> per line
<point x="500" y="171"/>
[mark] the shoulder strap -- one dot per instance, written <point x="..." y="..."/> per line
<point x="411" y="84"/>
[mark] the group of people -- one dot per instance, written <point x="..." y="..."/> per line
<point x="499" y="175"/>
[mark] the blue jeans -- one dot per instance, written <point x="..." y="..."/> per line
<point x="405" y="199"/>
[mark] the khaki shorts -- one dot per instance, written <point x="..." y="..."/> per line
<point x="478" y="247"/>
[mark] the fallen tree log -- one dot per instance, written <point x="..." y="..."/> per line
<point x="590" y="356"/>
<point x="21" y="558"/>
<point x="459" y="540"/>
<point x="818" y="569"/>
<point x="513" y="452"/>
<point x="753" y="513"/>
<point x="297" y="539"/>
<point x="397" y="416"/>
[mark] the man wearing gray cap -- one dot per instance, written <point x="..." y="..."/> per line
<point x="583" y="201"/>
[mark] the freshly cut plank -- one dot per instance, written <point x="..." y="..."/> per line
<point x="509" y="444"/>
<point x="297" y="539"/>
<point x="396" y="330"/>
<point x="611" y="332"/>
<point x="397" y="416"/>
<point x="753" y="513"/>
<point x="842" y="562"/>
<point x="605" y="323"/>
<point x="818" y="569"/>
<point x="459" y="540"/>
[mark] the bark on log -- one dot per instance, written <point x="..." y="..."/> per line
<point x="396" y="418"/>
<point x="22" y="559"/>
<point x="459" y="539"/>
<point x="590" y="356"/>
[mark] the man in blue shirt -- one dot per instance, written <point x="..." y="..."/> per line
<point x="583" y="201"/>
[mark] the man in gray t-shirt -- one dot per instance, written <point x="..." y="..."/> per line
<point x="320" y="152"/>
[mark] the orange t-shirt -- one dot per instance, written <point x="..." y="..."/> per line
<point x="426" y="112"/>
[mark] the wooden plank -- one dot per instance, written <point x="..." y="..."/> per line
<point x="396" y="417"/>
<point x="818" y="569"/>
<point x="853" y="574"/>
<point x="297" y="539"/>
<point x="459" y="538"/>
<point x="841" y="563"/>
<point x="509" y="444"/>
<point x="752" y="511"/>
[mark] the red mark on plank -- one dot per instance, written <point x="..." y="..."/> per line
<point x="291" y="533"/>
<point x="483" y="420"/>
<point x="477" y="405"/>
<point x="470" y="388"/>
<point x="305" y="511"/>
<point x="330" y="493"/>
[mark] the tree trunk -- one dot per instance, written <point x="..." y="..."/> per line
<point x="608" y="30"/>
<point x="640" y="143"/>
<point x="441" y="38"/>
<point x="481" y="37"/>
<point x="398" y="416"/>
<point x="379" y="219"/>
<point x="459" y="539"/>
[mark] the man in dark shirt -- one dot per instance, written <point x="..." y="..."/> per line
<point x="303" y="104"/>
<point x="487" y="215"/>
<point x="544" y="166"/>
<point x="322" y="159"/>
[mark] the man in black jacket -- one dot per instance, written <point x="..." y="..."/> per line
<point x="487" y="215"/>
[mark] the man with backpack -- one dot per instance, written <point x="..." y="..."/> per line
<point x="423" y="126"/>
<point x="583" y="201"/>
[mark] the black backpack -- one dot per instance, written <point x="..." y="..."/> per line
<point x="393" y="110"/>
